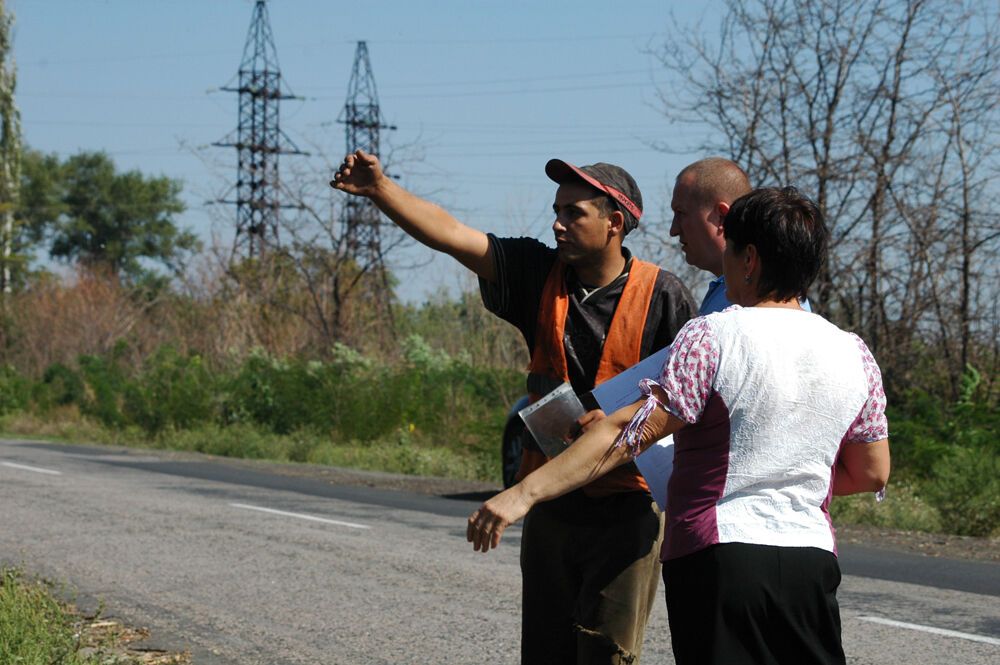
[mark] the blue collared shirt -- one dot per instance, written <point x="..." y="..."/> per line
<point x="715" y="299"/>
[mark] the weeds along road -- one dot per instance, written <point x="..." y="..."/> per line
<point x="247" y="566"/>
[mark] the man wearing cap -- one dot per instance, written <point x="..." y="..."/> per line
<point x="587" y="311"/>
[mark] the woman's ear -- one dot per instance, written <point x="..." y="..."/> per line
<point x="751" y="260"/>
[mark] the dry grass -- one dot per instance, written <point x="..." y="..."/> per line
<point x="63" y="422"/>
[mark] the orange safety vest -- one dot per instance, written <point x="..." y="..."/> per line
<point x="622" y="349"/>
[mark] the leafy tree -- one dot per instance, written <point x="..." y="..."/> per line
<point x="104" y="220"/>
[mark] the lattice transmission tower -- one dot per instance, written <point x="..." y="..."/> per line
<point x="258" y="140"/>
<point x="361" y="220"/>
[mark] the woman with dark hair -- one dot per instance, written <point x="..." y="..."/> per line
<point x="773" y="411"/>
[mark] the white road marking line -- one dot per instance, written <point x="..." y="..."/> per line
<point x="299" y="516"/>
<point x="932" y="629"/>
<point x="25" y="467"/>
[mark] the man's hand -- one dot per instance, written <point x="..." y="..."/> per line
<point x="360" y="174"/>
<point x="487" y="524"/>
<point x="583" y="423"/>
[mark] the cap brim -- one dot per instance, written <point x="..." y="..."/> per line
<point x="563" y="172"/>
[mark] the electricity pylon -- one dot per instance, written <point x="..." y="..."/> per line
<point x="258" y="140"/>
<point x="360" y="218"/>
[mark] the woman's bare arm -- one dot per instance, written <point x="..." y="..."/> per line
<point x="861" y="467"/>
<point x="590" y="457"/>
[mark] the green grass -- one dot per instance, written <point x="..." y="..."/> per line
<point x="37" y="629"/>
<point x="34" y="628"/>
<point x="404" y="451"/>
<point x="902" y="509"/>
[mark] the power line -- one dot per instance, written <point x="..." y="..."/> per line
<point x="518" y="91"/>
<point x="590" y="76"/>
<point x="46" y="62"/>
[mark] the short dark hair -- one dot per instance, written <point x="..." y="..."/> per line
<point x="606" y="205"/>
<point x="790" y="236"/>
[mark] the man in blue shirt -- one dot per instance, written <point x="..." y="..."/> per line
<point x="702" y="195"/>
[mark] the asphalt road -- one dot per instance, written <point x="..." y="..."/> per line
<point x="246" y="566"/>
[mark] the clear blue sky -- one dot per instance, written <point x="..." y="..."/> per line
<point x="483" y="93"/>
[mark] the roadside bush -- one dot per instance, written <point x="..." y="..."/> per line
<point x="965" y="489"/>
<point x="238" y="440"/>
<point x="104" y="384"/>
<point x="924" y="430"/>
<point x="404" y="452"/>
<point x="951" y="455"/>
<point x="903" y="508"/>
<point x="171" y="391"/>
<point x="916" y="436"/>
<point x="60" y="386"/>
<point x="14" y="390"/>
<point x="281" y="394"/>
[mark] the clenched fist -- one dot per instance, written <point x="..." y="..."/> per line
<point x="360" y="174"/>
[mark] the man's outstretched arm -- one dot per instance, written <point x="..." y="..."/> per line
<point x="361" y="175"/>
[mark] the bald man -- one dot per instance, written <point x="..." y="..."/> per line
<point x="703" y="193"/>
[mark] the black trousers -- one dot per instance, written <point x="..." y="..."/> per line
<point x="738" y="603"/>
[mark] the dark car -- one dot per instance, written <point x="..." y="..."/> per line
<point x="512" y="444"/>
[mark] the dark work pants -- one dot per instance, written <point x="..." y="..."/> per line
<point x="590" y="570"/>
<point x="737" y="603"/>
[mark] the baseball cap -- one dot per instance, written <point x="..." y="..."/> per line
<point x="608" y="178"/>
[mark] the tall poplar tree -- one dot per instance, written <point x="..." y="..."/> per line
<point x="10" y="150"/>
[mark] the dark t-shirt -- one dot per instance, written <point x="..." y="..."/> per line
<point x="522" y="268"/>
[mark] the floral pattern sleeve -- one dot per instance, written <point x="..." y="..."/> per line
<point x="687" y="377"/>
<point x="871" y="423"/>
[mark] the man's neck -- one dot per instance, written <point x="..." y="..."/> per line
<point x="602" y="273"/>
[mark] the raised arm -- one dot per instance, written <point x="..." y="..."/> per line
<point x="362" y="175"/>
<point x="590" y="457"/>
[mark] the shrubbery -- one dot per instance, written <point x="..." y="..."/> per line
<point x="948" y="455"/>
<point x="434" y="413"/>
<point x="427" y="413"/>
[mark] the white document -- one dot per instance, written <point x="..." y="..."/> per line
<point x="657" y="462"/>
<point x="623" y="389"/>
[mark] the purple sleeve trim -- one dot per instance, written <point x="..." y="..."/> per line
<point x="631" y="436"/>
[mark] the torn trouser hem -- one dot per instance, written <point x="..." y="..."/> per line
<point x="625" y="657"/>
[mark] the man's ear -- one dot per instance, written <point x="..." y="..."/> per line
<point x="617" y="220"/>
<point x="721" y="210"/>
